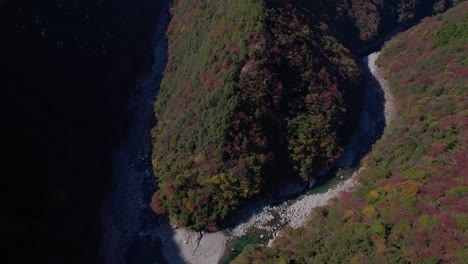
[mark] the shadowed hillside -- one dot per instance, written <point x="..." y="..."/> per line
<point x="67" y="68"/>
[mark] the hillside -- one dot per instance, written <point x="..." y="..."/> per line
<point x="411" y="206"/>
<point x="255" y="93"/>
<point x="249" y="96"/>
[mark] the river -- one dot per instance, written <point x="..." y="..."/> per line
<point x="132" y="234"/>
<point x="260" y="221"/>
<point x="269" y="217"/>
<point x="127" y="220"/>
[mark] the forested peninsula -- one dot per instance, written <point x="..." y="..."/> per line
<point x="411" y="205"/>
<point x="259" y="92"/>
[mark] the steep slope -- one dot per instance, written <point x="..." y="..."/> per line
<point x="412" y="202"/>
<point x="256" y="92"/>
<point x="252" y="92"/>
<point x="360" y="23"/>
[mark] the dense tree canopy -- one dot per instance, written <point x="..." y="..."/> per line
<point x="252" y="91"/>
<point x="255" y="91"/>
<point x="411" y="206"/>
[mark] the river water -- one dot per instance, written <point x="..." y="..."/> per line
<point x="125" y="213"/>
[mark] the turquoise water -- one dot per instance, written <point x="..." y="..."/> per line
<point x="332" y="179"/>
<point x="235" y="246"/>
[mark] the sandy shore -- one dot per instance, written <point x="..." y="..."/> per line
<point x="200" y="248"/>
<point x="208" y="248"/>
<point x="389" y="101"/>
<point x="185" y="246"/>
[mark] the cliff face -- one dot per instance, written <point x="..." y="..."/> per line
<point x="255" y="92"/>
<point x="411" y="204"/>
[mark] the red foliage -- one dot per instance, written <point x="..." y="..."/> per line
<point x="395" y="178"/>
<point x="212" y="226"/>
<point x="436" y="149"/>
<point x="421" y="238"/>
<point x="443" y="244"/>
<point x="461" y="122"/>
<point x="426" y="209"/>
<point x="401" y="215"/>
<point x="279" y="88"/>
<point x="156" y="204"/>
<point x="448" y="201"/>
<point x="414" y="118"/>
<point x="204" y="199"/>
<point x="448" y="221"/>
<point x="348" y="201"/>
<point x="461" y="158"/>
<point x="461" y="206"/>
<point x="433" y="190"/>
<point x="446" y="122"/>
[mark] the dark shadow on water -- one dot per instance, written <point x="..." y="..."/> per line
<point x="67" y="68"/>
<point x="130" y="227"/>
<point x="145" y="251"/>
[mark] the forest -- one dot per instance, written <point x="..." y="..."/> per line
<point x="245" y="101"/>
<point x="411" y="205"/>
<point x="256" y="93"/>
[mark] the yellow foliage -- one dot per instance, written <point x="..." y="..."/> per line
<point x="223" y="181"/>
<point x="218" y="178"/>
<point x="390" y="188"/>
<point x="358" y="259"/>
<point x="374" y="193"/>
<point x="369" y="211"/>
<point x="198" y="159"/>
<point x="190" y="206"/>
<point x="348" y="214"/>
<point x="410" y="187"/>
<point x="244" y="184"/>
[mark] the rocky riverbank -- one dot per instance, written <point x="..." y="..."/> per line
<point x="389" y="109"/>
<point x="200" y="247"/>
<point x="268" y="215"/>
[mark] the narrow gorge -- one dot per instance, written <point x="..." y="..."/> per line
<point x="134" y="235"/>
<point x="235" y="131"/>
<point x="142" y="238"/>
